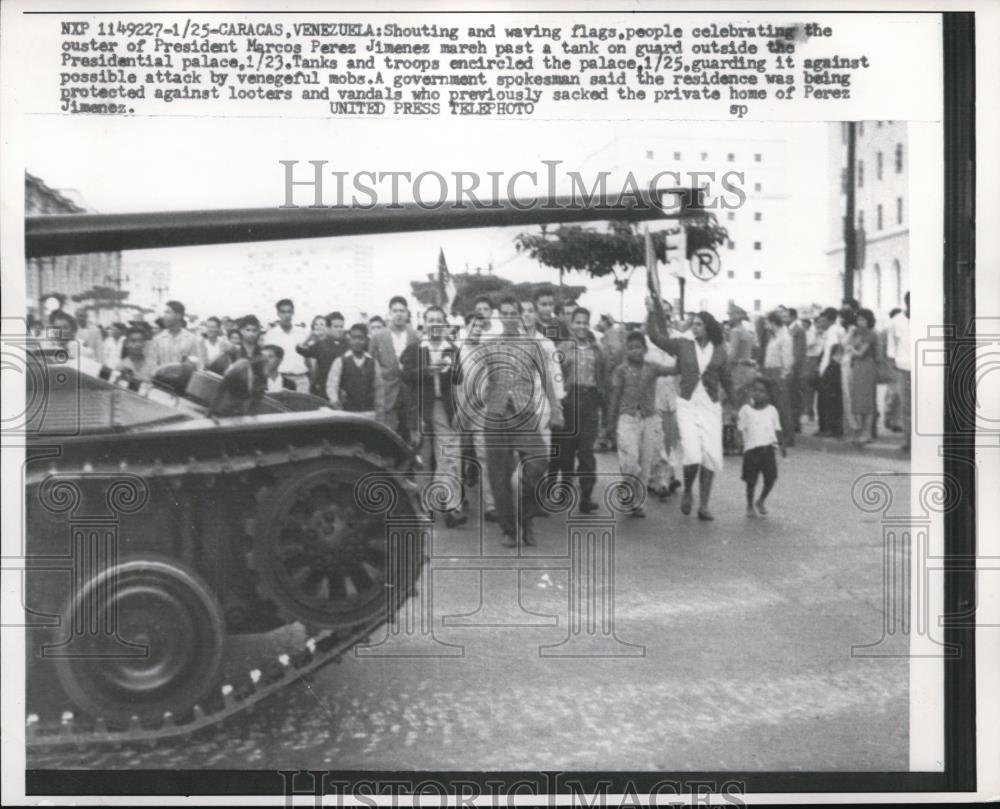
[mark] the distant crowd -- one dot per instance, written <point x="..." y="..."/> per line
<point x="538" y="386"/>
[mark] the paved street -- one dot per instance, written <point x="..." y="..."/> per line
<point x="741" y="632"/>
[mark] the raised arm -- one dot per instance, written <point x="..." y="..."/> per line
<point x="658" y="333"/>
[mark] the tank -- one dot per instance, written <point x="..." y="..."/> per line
<point x="165" y="519"/>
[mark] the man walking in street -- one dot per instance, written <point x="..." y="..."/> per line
<point x="585" y="377"/>
<point x="289" y="336"/>
<point x="798" y="335"/>
<point x="550" y="324"/>
<point x="511" y="368"/>
<point x="393" y="401"/>
<point x="779" y="364"/>
<point x="429" y="368"/>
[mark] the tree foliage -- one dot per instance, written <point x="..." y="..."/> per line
<point x="616" y="251"/>
<point x="101" y="297"/>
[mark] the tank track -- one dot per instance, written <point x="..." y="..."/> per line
<point x="70" y="730"/>
<point x="41" y="734"/>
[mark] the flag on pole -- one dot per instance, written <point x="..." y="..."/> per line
<point x="446" y="284"/>
<point x="652" y="272"/>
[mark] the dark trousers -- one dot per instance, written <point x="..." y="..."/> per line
<point x="830" y="401"/>
<point x="783" y="402"/>
<point x="573" y="444"/>
<point x="508" y="443"/>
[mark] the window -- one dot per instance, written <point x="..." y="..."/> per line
<point x="704" y="155"/>
<point x="756" y="245"/>
<point x="756" y="186"/>
<point x="861" y="127"/>
<point x="878" y="217"/>
<point x="899" y="158"/>
<point x="757" y="216"/>
<point x="649" y="154"/>
<point x="731" y="216"/>
<point x="879" y="124"/>
<point x="878" y="286"/>
<point x="756" y="304"/>
<point x="878" y="166"/>
<point x="756" y="275"/>
<point x="861" y="174"/>
<point x="756" y="157"/>
<point x="677" y="155"/>
<point x="731" y="244"/>
<point x="898" y="272"/>
<point x="861" y="220"/>
<point x="899" y="210"/>
<point x="730" y="157"/>
<point x="731" y="274"/>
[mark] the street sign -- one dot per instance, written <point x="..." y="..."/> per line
<point x="705" y="264"/>
<point x="676" y="250"/>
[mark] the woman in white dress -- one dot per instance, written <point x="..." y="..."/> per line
<point x="704" y="374"/>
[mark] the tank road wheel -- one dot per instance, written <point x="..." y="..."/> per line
<point x="158" y="604"/>
<point x="320" y="557"/>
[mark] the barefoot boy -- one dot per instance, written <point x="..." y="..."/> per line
<point x="760" y="426"/>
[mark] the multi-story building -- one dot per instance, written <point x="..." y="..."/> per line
<point x="147" y="282"/>
<point x="773" y="254"/>
<point x="881" y="215"/>
<point x="318" y="275"/>
<point x="67" y="275"/>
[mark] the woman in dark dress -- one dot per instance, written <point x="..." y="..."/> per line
<point x="861" y="351"/>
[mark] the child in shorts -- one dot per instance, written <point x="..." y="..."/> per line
<point x="760" y="426"/>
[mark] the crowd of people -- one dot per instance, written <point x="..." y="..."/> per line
<point x="522" y="393"/>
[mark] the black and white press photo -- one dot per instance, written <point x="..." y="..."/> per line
<point x="423" y="403"/>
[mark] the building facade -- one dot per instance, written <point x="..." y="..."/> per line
<point x="67" y="275"/>
<point x="881" y="211"/>
<point x="771" y="257"/>
<point x="316" y="274"/>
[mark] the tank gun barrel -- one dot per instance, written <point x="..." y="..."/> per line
<point x="69" y="234"/>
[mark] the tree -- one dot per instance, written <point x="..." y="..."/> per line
<point x="102" y="297"/>
<point x="470" y="286"/>
<point x="617" y="251"/>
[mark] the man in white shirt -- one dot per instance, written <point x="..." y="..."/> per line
<point x="899" y="350"/>
<point x="287" y="335"/>
<point x="276" y="382"/>
<point x="212" y="344"/>
<point x="175" y="343"/>
<point x="779" y="367"/>
<point x="529" y="314"/>
<point x="111" y="351"/>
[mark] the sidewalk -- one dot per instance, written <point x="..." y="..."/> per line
<point x="887" y="445"/>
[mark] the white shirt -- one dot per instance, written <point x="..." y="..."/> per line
<point x="898" y="345"/>
<point x="759" y="428"/>
<point x="293" y="362"/>
<point x="275" y="385"/>
<point x="211" y="351"/>
<point x="399" y="341"/>
<point x="112" y="351"/>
